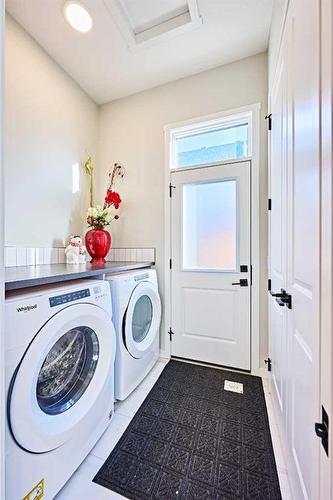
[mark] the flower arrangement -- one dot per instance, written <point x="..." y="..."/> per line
<point x="98" y="217"/>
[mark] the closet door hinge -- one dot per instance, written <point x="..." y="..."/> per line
<point x="171" y="187"/>
<point x="170" y="263"/>
<point x="268" y="362"/>
<point x="170" y="332"/>
<point x="269" y="204"/>
<point x="322" y="429"/>
<point x="269" y="121"/>
<point x="269" y="285"/>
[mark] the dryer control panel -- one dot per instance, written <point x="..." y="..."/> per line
<point x="69" y="297"/>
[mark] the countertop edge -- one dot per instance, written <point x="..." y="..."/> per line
<point x="76" y="274"/>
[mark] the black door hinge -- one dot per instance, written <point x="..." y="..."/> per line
<point x="268" y="362"/>
<point x="171" y="187"/>
<point x="269" y="204"/>
<point x="322" y="429"/>
<point x="170" y="263"/>
<point x="170" y="332"/>
<point x="269" y="121"/>
<point x="269" y="285"/>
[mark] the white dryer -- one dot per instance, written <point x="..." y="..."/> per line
<point x="136" y="316"/>
<point x="59" y="351"/>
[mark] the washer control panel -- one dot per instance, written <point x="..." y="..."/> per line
<point x="140" y="277"/>
<point x="69" y="297"/>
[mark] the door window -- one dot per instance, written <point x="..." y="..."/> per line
<point x="142" y="318"/>
<point x="67" y="370"/>
<point x="210" y="225"/>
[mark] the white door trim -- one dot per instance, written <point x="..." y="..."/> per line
<point x="253" y="111"/>
<point x="2" y="333"/>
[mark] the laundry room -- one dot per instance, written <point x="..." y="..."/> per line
<point x="166" y="261"/>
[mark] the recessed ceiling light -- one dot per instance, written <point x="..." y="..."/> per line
<point x="77" y="16"/>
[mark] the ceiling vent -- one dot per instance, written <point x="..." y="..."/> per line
<point x="149" y="21"/>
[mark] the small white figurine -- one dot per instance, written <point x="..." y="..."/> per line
<point x="75" y="251"/>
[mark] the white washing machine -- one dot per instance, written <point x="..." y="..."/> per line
<point x="136" y="316"/>
<point x="60" y="347"/>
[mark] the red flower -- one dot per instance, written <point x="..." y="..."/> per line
<point x="112" y="198"/>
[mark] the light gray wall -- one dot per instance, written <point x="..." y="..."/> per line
<point x="131" y="132"/>
<point x="50" y="124"/>
<point x="278" y="17"/>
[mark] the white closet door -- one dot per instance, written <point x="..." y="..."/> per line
<point x="304" y="241"/>
<point x="278" y="235"/>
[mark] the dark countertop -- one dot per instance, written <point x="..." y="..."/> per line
<point x="26" y="276"/>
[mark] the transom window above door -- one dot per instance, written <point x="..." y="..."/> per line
<point x="211" y="142"/>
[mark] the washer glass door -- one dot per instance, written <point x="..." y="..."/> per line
<point x="67" y="370"/>
<point x="142" y="319"/>
<point x="60" y="378"/>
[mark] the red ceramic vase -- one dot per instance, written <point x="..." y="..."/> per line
<point x="98" y="243"/>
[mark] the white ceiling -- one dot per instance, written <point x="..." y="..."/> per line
<point x="107" y="67"/>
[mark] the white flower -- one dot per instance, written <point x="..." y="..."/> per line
<point x="92" y="212"/>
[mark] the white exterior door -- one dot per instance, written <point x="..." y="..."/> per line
<point x="211" y="268"/>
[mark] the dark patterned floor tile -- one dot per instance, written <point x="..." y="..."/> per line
<point x="193" y="403"/>
<point x="230" y="480"/>
<point x="229" y="413"/>
<point x="257" y="461"/>
<point x="259" y="488"/>
<point x="202" y="469"/>
<point x="119" y="469"/>
<point x="231" y="430"/>
<point x="170" y="487"/>
<point x="184" y="436"/>
<point x="230" y="452"/>
<point x="254" y="437"/>
<point x="210" y="424"/>
<point x="190" y="418"/>
<point x="197" y="491"/>
<point x="159" y="394"/>
<point x="207" y="444"/>
<point x="153" y="408"/>
<point x="177" y="459"/>
<point x="163" y="430"/>
<point x="212" y="409"/>
<point x="171" y="413"/>
<point x="254" y="420"/>
<point x="143" y="423"/>
<point x="142" y="480"/>
<point x="155" y="451"/>
<point x="134" y="443"/>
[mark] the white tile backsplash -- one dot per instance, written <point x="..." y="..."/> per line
<point x="31" y="256"/>
<point x="39" y="256"/>
<point x="61" y="256"/>
<point x="19" y="256"/>
<point x="10" y="256"/>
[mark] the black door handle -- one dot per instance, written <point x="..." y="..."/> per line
<point x="283" y="298"/>
<point x="242" y="282"/>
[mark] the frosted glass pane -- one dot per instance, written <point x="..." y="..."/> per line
<point x="211" y="146"/>
<point x="210" y="225"/>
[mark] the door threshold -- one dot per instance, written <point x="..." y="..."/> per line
<point x="211" y="365"/>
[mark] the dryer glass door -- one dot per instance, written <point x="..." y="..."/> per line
<point x="142" y="319"/>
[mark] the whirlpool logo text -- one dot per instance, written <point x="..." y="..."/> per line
<point x="26" y="308"/>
